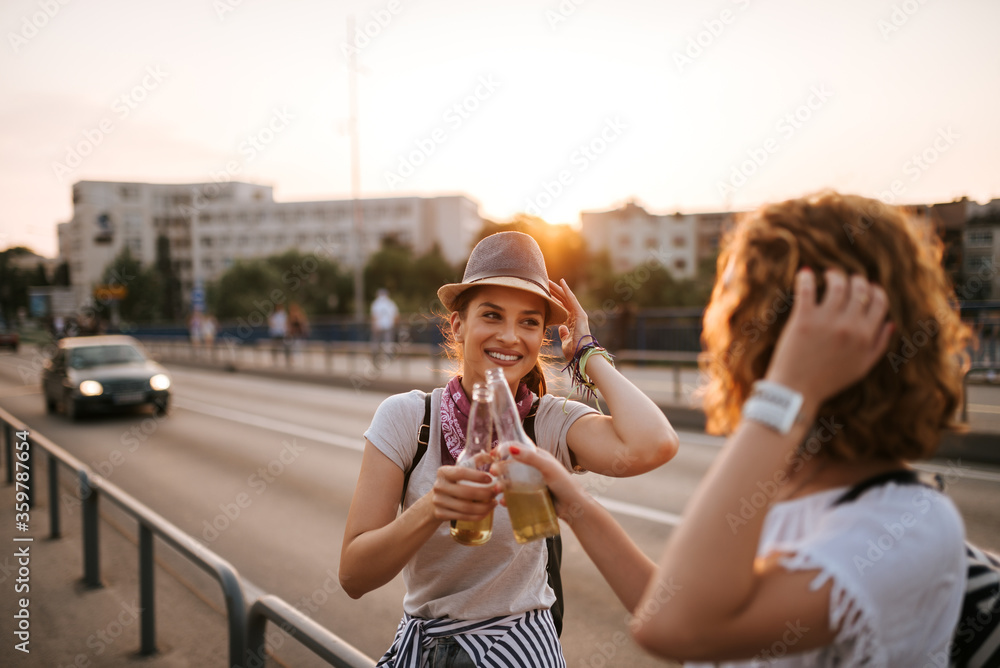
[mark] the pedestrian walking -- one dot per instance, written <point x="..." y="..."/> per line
<point x="384" y="318"/>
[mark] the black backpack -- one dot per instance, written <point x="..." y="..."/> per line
<point x="975" y="642"/>
<point x="553" y="544"/>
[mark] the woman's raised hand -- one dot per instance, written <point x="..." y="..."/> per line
<point x="827" y="346"/>
<point x="577" y="326"/>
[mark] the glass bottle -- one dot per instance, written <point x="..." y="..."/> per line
<point x="532" y="514"/>
<point x="477" y="455"/>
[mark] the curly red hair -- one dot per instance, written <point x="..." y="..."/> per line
<point x="899" y="409"/>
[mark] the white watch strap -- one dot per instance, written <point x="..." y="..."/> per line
<point x="773" y="405"/>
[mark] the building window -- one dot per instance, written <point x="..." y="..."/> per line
<point x="680" y="264"/>
<point x="978" y="263"/>
<point x="680" y="242"/>
<point x="128" y="193"/>
<point x="206" y="242"/>
<point x="651" y="243"/>
<point x="980" y="238"/>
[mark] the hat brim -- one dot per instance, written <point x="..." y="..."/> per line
<point x="448" y="294"/>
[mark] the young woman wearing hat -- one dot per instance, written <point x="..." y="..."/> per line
<point x="774" y="563"/>
<point x="486" y="605"/>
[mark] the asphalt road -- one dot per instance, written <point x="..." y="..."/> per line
<point x="262" y="471"/>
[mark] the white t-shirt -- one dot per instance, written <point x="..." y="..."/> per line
<point x="448" y="580"/>
<point x="277" y="324"/>
<point x="896" y="557"/>
<point x="384" y="313"/>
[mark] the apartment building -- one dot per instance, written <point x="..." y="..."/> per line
<point x="211" y="225"/>
<point x="633" y="236"/>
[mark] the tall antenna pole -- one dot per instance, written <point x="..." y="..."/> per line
<point x="358" y="218"/>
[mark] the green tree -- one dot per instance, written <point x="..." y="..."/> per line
<point x="15" y="281"/>
<point x="317" y="284"/>
<point x="144" y="292"/>
<point x="61" y="275"/>
<point x="411" y="280"/>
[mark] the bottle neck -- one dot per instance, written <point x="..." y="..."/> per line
<point x="506" y="416"/>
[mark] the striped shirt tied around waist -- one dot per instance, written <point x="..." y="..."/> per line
<point x="515" y="641"/>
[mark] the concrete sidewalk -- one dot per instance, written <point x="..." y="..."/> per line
<point x="71" y="624"/>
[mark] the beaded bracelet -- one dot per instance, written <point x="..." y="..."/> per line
<point x="581" y="381"/>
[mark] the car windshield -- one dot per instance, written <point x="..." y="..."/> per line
<point x="91" y="356"/>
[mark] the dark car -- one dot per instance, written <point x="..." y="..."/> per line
<point x="103" y="373"/>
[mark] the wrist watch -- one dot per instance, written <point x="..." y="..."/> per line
<point x="773" y="405"/>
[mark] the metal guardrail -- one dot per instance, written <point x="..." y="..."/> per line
<point x="265" y="353"/>
<point x="324" y="644"/>
<point x="243" y="625"/>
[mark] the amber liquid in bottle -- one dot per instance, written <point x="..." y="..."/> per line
<point x="532" y="513"/>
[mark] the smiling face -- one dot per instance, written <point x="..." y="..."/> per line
<point x="502" y="327"/>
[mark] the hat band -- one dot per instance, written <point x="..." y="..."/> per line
<point x="544" y="288"/>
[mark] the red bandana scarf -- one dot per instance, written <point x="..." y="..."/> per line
<point x="455" y="408"/>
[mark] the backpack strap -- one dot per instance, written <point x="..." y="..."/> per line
<point x="423" y="438"/>
<point x="900" y="477"/>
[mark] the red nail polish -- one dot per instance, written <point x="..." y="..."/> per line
<point x="514" y="450"/>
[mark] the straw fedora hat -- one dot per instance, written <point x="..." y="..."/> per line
<point x="510" y="259"/>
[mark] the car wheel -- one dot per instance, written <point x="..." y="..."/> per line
<point x="160" y="407"/>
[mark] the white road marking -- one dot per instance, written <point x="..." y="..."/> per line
<point x="641" y="512"/>
<point x="281" y="426"/>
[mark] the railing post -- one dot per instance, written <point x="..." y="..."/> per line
<point x="55" y="530"/>
<point x="91" y="547"/>
<point x="147" y="590"/>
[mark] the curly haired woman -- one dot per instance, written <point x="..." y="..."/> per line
<point x="835" y="355"/>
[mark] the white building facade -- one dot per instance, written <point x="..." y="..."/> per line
<point x="632" y="236"/>
<point x="211" y="225"/>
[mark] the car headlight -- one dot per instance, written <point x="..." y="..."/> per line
<point x="159" y="382"/>
<point x="91" y="388"/>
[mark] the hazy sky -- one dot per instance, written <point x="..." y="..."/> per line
<point x="549" y="106"/>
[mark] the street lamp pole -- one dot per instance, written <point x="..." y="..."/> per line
<point x="358" y="217"/>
